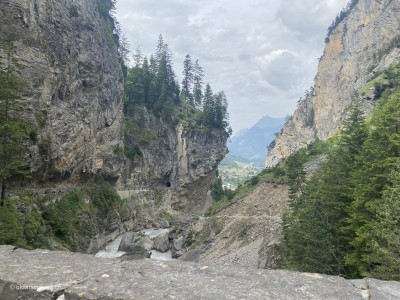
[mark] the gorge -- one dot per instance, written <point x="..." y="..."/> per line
<point x="112" y="151"/>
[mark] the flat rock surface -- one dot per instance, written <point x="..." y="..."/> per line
<point x="43" y="274"/>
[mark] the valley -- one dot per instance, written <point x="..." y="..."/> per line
<point x="120" y="177"/>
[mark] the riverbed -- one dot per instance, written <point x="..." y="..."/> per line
<point x="111" y="250"/>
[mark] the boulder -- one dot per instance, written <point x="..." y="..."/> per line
<point x="136" y="252"/>
<point x="183" y="221"/>
<point x="145" y="243"/>
<point x="177" y="244"/>
<point x="164" y="224"/>
<point x="161" y="242"/>
<point x="126" y="242"/>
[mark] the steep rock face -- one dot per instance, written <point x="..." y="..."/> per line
<point x="76" y="83"/>
<point x="357" y="47"/>
<point x="178" y="162"/>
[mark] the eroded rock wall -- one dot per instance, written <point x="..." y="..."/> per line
<point x="76" y="87"/>
<point x="358" y="47"/>
<point x="179" y="163"/>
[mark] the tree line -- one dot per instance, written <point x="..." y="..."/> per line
<point x="345" y="219"/>
<point x="152" y="82"/>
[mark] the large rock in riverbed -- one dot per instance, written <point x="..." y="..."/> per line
<point x="161" y="242"/>
<point x="43" y="274"/>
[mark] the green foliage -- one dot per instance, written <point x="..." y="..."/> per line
<point x="242" y="227"/>
<point x="152" y="82"/>
<point x="11" y="229"/>
<point x="190" y="237"/>
<point x="14" y="130"/>
<point x="140" y="135"/>
<point x="87" y="66"/>
<point x="340" y="17"/>
<point x="216" y="225"/>
<point x="44" y="146"/>
<point x="380" y="258"/>
<point x="74" y="219"/>
<point x="41" y="117"/>
<point x="28" y="230"/>
<point x="254" y="180"/>
<point x="167" y="216"/>
<point x="159" y="196"/>
<point x="33" y="136"/>
<point x="345" y="218"/>
<point x="133" y="154"/>
<point x="394" y="43"/>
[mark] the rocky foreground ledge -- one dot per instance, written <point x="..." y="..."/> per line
<point x="43" y="274"/>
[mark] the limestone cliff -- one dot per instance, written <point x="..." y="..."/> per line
<point x="75" y="105"/>
<point x="76" y="86"/>
<point x="176" y="162"/>
<point x="364" y="42"/>
<point x="70" y="51"/>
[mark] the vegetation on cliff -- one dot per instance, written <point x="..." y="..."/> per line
<point x="15" y="133"/>
<point x="29" y="222"/>
<point x="152" y="82"/>
<point x="345" y="218"/>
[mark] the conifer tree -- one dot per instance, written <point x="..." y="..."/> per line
<point x="187" y="81"/>
<point x="198" y="85"/>
<point x="381" y="257"/>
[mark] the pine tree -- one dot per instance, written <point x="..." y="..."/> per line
<point x="198" y="85"/>
<point x="14" y="132"/>
<point x="375" y="162"/>
<point x="382" y="247"/>
<point x="187" y="81"/>
<point x="208" y="107"/>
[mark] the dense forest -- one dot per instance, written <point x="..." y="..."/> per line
<point x="344" y="219"/>
<point x="152" y="82"/>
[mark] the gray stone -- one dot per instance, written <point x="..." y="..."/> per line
<point x="164" y="224"/>
<point x="161" y="242"/>
<point x="177" y="244"/>
<point x="145" y="243"/>
<point x="43" y="274"/>
<point x="183" y="220"/>
<point x="126" y="242"/>
<point x="135" y="252"/>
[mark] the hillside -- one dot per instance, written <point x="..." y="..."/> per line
<point x="251" y="143"/>
<point x="235" y="170"/>
<point x="362" y="41"/>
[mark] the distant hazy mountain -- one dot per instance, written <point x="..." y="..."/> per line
<point x="251" y="143"/>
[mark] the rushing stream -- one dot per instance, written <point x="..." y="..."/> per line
<point x="111" y="250"/>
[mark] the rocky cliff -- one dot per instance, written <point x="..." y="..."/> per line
<point x="42" y="274"/>
<point x="76" y="86"/>
<point x="176" y="162"/>
<point x="70" y="50"/>
<point x="363" y="43"/>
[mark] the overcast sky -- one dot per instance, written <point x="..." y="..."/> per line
<point x="262" y="53"/>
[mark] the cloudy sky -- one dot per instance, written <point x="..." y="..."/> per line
<point x="262" y="53"/>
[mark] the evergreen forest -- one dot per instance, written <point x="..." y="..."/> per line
<point x="345" y="218"/>
<point x="152" y="82"/>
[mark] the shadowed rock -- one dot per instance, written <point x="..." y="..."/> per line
<point x="161" y="242"/>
